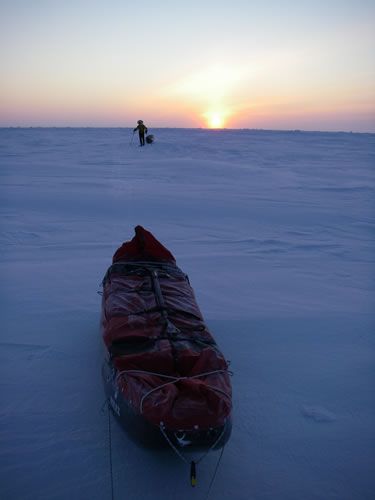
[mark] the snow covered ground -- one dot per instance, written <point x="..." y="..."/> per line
<point x="276" y="233"/>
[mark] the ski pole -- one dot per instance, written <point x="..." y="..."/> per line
<point x="131" y="141"/>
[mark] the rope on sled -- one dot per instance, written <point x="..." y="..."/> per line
<point x="214" y="474"/>
<point x="107" y="405"/>
<point x="173" y="380"/>
<point x="176" y="450"/>
<point x="193" y="463"/>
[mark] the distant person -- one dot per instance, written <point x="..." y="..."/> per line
<point x="142" y="130"/>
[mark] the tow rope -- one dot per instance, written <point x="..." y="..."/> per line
<point x="108" y="406"/>
<point x="194" y="463"/>
<point x="173" y="380"/>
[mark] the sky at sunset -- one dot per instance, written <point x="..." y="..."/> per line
<point x="277" y="64"/>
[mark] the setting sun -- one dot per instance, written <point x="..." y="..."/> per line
<point x="214" y="119"/>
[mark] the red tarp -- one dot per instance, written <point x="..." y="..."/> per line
<point x="144" y="247"/>
<point x="171" y="340"/>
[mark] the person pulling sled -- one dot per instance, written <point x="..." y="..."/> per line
<point x="142" y="130"/>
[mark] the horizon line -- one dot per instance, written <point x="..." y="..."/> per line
<point x="184" y="128"/>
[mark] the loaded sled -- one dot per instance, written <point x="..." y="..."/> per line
<point x="165" y="377"/>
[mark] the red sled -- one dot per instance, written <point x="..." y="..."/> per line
<point x="165" y="377"/>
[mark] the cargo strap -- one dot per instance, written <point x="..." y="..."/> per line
<point x="172" y="380"/>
